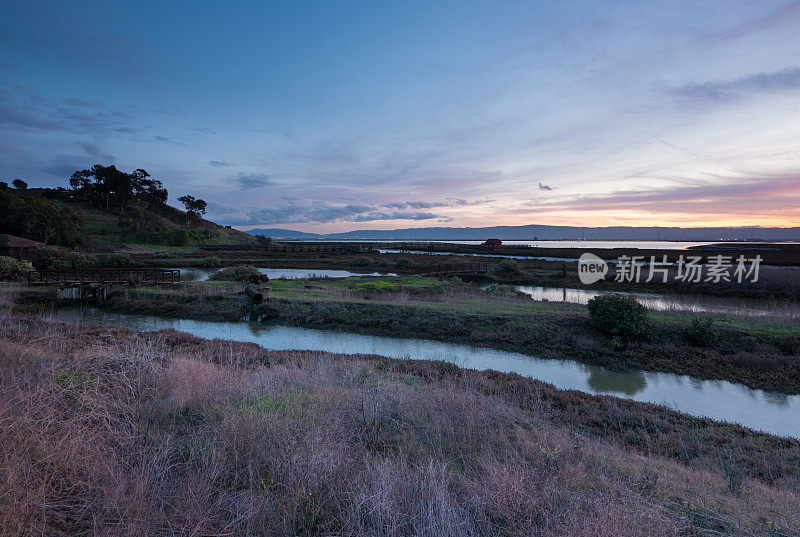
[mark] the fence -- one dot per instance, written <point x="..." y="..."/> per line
<point x="104" y="275"/>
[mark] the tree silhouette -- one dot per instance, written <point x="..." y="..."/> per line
<point x="195" y="207"/>
<point x="106" y="185"/>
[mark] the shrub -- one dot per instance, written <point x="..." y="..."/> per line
<point x="618" y="315"/>
<point x="49" y="258"/>
<point x="507" y="268"/>
<point x="239" y="273"/>
<point x="13" y="269"/>
<point x="210" y="262"/>
<point x="701" y="332"/>
<point x="176" y="236"/>
<point x="499" y="289"/>
<point x="119" y="259"/>
<point x="403" y="263"/>
<point x="361" y="261"/>
<point x="163" y="255"/>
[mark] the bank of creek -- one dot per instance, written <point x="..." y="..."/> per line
<point x="720" y="400"/>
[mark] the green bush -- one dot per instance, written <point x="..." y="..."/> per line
<point x="210" y="262"/>
<point x="163" y="255"/>
<point x="12" y="269"/>
<point x="118" y="259"/>
<point x="361" y="261"/>
<point x="403" y="263"/>
<point x="51" y="258"/>
<point x="701" y="332"/>
<point x="619" y="316"/>
<point x="507" y="268"/>
<point x="176" y="236"/>
<point x="240" y="273"/>
<point x="499" y="289"/>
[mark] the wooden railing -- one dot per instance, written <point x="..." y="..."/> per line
<point x="104" y="275"/>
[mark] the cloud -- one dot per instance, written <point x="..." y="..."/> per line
<point x="63" y="166"/>
<point x="433" y="204"/>
<point x="777" y="195"/>
<point x="726" y="90"/>
<point x="414" y="205"/>
<point x="94" y="151"/>
<point x="254" y="180"/>
<point x="218" y="163"/>
<point x="23" y="109"/>
<point x="319" y="213"/>
<point x="547" y="188"/>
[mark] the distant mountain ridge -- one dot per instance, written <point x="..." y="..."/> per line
<point x="541" y="232"/>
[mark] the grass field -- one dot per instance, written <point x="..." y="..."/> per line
<point x="106" y="431"/>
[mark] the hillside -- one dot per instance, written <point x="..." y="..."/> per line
<point x="55" y="217"/>
<point x="105" y="232"/>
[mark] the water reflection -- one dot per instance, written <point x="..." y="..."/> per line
<point x="200" y="274"/>
<point x="721" y="400"/>
<point x="602" y="380"/>
<point x="686" y="303"/>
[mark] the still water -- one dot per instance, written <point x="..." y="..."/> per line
<point x="767" y="411"/>
<point x="648" y="245"/>
<point x="199" y="274"/>
<point x="687" y="303"/>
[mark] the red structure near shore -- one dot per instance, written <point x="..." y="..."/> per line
<point x="494" y="245"/>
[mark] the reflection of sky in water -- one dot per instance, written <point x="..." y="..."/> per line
<point x="675" y="303"/>
<point x="199" y="275"/>
<point x="721" y="400"/>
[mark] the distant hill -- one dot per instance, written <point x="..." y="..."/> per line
<point x="285" y="234"/>
<point x="538" y="232"/>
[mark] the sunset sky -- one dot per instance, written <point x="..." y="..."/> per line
<point x="331" y="116"/>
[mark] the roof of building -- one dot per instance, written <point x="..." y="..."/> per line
<point x="17" y="242"/>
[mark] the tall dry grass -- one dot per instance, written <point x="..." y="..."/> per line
<point x="105" y="431"/>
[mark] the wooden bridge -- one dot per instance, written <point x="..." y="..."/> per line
<point x="138" y="276"/>
<point x="453" y="269"/>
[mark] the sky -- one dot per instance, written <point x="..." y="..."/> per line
<point x="332" y="116"/>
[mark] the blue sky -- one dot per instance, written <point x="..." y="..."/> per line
<point x="329" y="116"/>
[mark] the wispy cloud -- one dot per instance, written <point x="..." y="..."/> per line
<point x="764" y="195"/>
<point x="323" y="213"/>
<point x="726" y="90"/>
<point x="254" y="180"/>
<point x="218" y="163"/>
<point x="22" y="108"/>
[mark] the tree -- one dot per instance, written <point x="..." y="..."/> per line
<point x="195" y="207"/>
<point x="19" y="184"/>
<point x="106" y="185"/>
<point x="31" y="215"/>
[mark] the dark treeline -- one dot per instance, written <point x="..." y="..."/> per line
<point x="37" y="215"/>
<point x="55" y="216"/>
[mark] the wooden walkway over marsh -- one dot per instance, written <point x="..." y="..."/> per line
<point x="138" y="276"/>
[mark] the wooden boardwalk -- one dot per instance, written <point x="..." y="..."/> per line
<point x="139" y="276"/>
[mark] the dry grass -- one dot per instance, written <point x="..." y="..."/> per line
<point x="109" y="432"/>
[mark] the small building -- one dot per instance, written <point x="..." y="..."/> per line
<point x="19" y="248"/>
<point x="494" y="245"/>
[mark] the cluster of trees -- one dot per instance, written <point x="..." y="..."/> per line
<point x="29" y="213"/>
<point x="137" y="199"/>
<point x="110" y="188"/>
